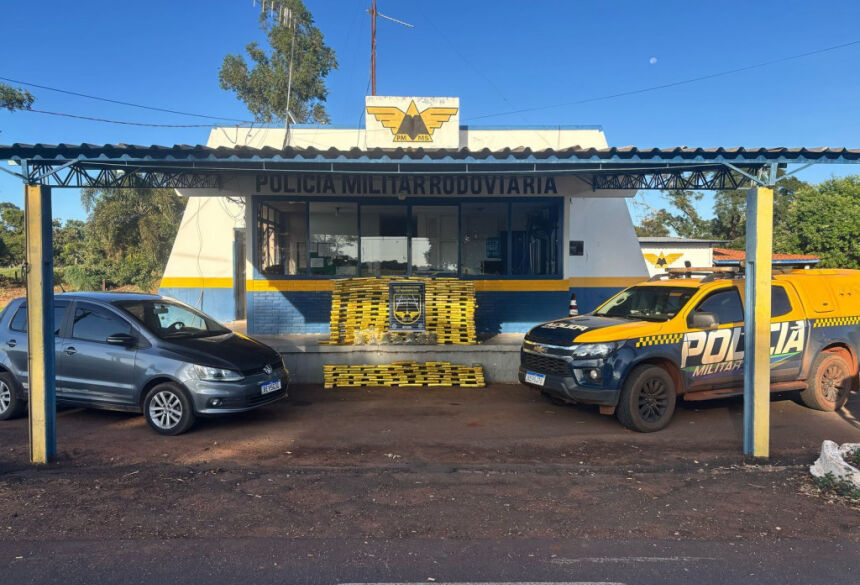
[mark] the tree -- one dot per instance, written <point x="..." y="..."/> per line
<point x="128" y="234"/>
<point x="263" y="85"/>
<point x="12" y="245"/>
<point x="729" y="209"/>
<point x="14" y="98"/>
<point x="823" y="220"/>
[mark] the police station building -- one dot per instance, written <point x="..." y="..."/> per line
<point x="413" y="193"/>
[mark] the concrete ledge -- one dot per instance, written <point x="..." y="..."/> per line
<point x="305" y="357"/>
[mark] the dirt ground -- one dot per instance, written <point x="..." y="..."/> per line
<point x="495" y="462"/>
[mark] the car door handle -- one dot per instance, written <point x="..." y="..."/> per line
<point x="12" y="343"/>
<point x="71" y="351"/>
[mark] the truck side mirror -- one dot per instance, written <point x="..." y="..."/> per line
<point x="703" y="320"/>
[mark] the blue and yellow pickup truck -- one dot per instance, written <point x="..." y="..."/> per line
<point x="680" y="334"/>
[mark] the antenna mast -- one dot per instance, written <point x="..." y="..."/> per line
<point x="373" y="14"/>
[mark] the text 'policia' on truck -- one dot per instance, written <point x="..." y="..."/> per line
<point x="681" y="334"/>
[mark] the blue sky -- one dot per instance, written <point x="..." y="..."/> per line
<point x="497" y="56"/>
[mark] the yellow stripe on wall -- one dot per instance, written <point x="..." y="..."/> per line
<point x="605" y="281"/>
<point x="327" y="284"/>
<point x="196" y="282"/>
<point x="289" y="285"/>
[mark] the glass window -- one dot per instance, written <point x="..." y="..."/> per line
<point x="171" y="320"/>
<point x="383" y="240"/>
<point x="779" y="303"/>
<point x="282" y="237"/>
<point x="484" y="237"/>
<point x="725" y="304"/>
<point x="535" y="238"/>
<point x="19" y="320"/>
<point x="92" y="324"/>
<point x="434" y="240"/>
<point x="334" y="238"/>
<point x="647" y="303"/>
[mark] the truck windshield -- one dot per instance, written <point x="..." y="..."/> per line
<point x="647" y="303"/>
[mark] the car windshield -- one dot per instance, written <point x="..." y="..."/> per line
<point x="647" y="303"/>
<point x="169" y="320"/>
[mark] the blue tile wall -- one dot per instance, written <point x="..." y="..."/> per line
<point x="219" y="303"/>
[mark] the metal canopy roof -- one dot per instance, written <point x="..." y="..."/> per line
<point x="183" y="166"/>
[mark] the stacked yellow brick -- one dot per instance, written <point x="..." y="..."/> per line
<point x="361" y="305"/>
<point x="403" y="374"/>
<point x="451" y="310"/>
<point x="358" y="304"/>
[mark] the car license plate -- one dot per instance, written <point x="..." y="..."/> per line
<point x="537" y="379"/>
<point x="270" y="386"/>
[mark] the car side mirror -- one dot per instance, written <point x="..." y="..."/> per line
<point x="703" y="320"/>
<point x="122" y="339"/>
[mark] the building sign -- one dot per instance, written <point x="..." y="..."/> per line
<point x="331" y="184"/>
<point x="394" y="122"/>
<point x="406" y="306"/>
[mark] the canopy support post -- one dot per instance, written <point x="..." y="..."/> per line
<point x="40" y="320"/>
<point x="759" y="250"/>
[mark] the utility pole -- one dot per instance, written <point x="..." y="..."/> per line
<point x="373" y="14"/>
<point x="373" y="48"/>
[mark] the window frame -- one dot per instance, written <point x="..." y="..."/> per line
<point x="558" y="201"/>
<point x="92" y="306"/>
<point x="59" y="328"/>
<point x="713" y="293"/>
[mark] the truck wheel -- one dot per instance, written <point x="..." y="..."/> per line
<point x="647" y="399"/>
<point x="12" y="404"/>
<point x="168" y="410"/>
<point x="829" y="383"/>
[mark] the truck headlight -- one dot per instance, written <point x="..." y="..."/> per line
<point x="593" y="350"/>
<point x="210" y="374"/>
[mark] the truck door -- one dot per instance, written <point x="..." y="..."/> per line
<point x="713" y="358"/>
<point x="788" y="335"/>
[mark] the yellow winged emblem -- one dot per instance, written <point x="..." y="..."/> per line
<point x="661" y="260"/>
<point x="411" y="125"/>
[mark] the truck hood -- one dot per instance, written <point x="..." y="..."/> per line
<point x="591" y="329"/>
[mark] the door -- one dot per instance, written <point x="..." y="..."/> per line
<point x="714" y="358"/>
<point x="239" y="273"/>
<point x="15" y="343"/>
<point x="788" y="333"/>
<point x="96" y="371"/>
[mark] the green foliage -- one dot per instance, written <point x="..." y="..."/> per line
<point x="682" y="218"/>
<point x="824" y="220"/>
<point x="14" y="98"/>
<point x="263" y="84"/>
<point x="11" y="234"/>
<point x="129" y="234"/>
<point x="839" y="487"/>
<point x="126" y="239"/>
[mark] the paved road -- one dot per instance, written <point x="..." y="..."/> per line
<point x="489" y="485"/>
<point x="328" y="561"/>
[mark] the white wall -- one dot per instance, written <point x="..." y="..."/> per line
<point x="346" y="138"/>
<point x="698" y="254"/>
<point x="611" y="248"/>
<point x="204" y="242"/>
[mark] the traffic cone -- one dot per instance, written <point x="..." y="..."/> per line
<point x="574" y="309"/>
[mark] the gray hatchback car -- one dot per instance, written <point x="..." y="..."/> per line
<point x="142" y="353"/>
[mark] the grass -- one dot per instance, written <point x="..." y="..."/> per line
<point x="838" y="487"/>
<point x="854" y="458"/>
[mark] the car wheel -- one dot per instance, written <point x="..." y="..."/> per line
<point x="168" y="410"/>
<point x="829" y="383"/>
<point x="12" y="404"/>
<point x="647" y="399"/>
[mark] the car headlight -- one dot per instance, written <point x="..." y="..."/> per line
<point x="593" y="350"/>
<point x="216" y="374"/>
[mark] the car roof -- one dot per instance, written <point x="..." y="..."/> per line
<point x="105" y="297"/>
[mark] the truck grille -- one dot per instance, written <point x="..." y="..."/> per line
<point x="545" y="365"/>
